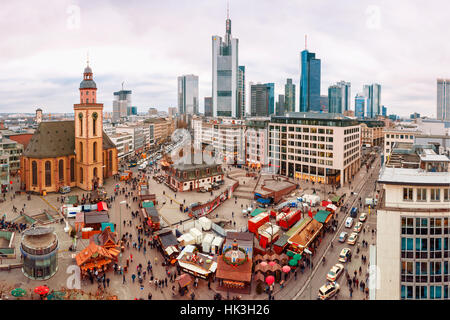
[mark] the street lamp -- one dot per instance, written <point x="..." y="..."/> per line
<point x="310" y="275"/>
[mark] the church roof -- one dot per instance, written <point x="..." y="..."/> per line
<point x="90" y="84"/>
<point x="56" y="139"/>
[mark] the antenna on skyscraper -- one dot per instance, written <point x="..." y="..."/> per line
<point x="228" y="9"/>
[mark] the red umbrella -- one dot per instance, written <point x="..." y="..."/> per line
<point x="286" y="269"/>
<point x="41" y="290"/>
<point x="270" y="280"/>
<point x="263" y="264"/>
<point x="272" y="263"/>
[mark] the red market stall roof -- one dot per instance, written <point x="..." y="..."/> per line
<point x="102" y="206"/>
<point x="322" y="216"/>
<point x="325" y="203"/>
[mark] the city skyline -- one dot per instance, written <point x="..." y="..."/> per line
<point x="42" y="63"/>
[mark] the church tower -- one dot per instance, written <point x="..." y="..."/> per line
<point x="88" y="135"/>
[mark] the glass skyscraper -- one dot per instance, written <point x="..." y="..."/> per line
<point x="281" y="105"/>
<point x="271" y="87"/>
<point x="339" y="97"/>
<point x="373" y="94"/>
<point x="360" y="105"/>
<point x="225" y="74"/>
<point x="260" y="96"/>
<point x="309" y="82"/>
<point x="241" y="92"/>
<point x="188" y="94"/>
<point x="289" y="96"/>
<point x="443" y="99"/>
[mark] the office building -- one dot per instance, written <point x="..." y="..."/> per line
<point x="271" y="87"/>
<point x="259" y="102"/>
<point x="309" y="82"/>
<point x="384" y="111"/>
<point x="256" y="136"/>
<point x="443" y="99"/>
<point x="373" y="94"/>
<point x="172" y="111"/>
<point x="372" y="133"/>
<point x="188" y="94"/>
<point x="121" y="105"/>
<point x="241" y="92"/>
<point x="281" y="105"/>
<point x="225" y="74"/>
<point x="324" y="103"/>
<point x="339" y="97"/>
<point x="289" y="96"/>
<point x="319" y="147"/>
<point x="413" y="213"/>
<point x="360" y="106"/>
<point x="208" y="106"/>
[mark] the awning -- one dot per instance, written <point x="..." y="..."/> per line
<point x="336" y="199"/>
<point x="256" y="212"/>
<point x="102" y="206"/>
<point x="322" y="216"/>
<point x="147" y="204"/>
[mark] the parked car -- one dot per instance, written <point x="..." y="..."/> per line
<point x="64" y="189"/>
<point x="358" y="227"/>
<point x="335" y="272"/>
<point x="354" y="212"/>
<point x="363" y="217"/>
<point x="327" y="291"/>
<point x="344" y="255"/>
<point x="352" y="238"/>
<point x="349" y="222"/>
<point x="343" y="236"/>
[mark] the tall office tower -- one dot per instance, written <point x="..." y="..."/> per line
<point x="281" y="105"/>
<point x="289" y="96"/>
<point x="259" y="103"/>
<point x="360" y="106"/>
<point x="188" y="94"/>
<point x="225" y="74"/>
<point x="271" y="87"/>
<point x="443" y="99"/>
<point x="121" y="103"/>
<point x="373" y="94"/>
<point x="309" y="82"/>
<point x="339" y="97"/>
<point x="384" y="111"/>
<point x="324" y="103"/>
<point x="208" y="106"/>
<point x="241" y="92"/>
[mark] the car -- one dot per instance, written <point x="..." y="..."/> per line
<point x="345" y="254"/>
<point x="327" y="291"/>
<point x="363" y="217"/>
<point x="349" y="222"/>
<point x="358" y="227"/>
<point x="64" y="189"/>
<point x="343" y="236"/>
<point x="335" y="272"/>
<point x="352" y="238"/>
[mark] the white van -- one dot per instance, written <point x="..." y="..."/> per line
<point x="349" y="222"/>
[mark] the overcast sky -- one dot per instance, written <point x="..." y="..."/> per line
<point x="403" y="45"/>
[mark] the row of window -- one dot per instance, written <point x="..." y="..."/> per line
<point x="304" y="129"/>
<point x="399" y="136"/>
<point x="425" y="226"/>
<point x="424" y="292"/>
<point x="422" y="194"/>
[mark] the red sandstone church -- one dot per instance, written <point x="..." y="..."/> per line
<point x="71" y="153"/>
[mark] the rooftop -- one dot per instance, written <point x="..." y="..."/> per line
<point x="411" y="176"/>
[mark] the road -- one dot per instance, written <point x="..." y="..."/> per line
<point x="365" y="189"/>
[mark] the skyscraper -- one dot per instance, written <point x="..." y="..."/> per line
<point x="225" y="74"/>
<point x="443" y="99"/>
<point x="121" y="104"/>
<point x="360" y="105"/>
<point x="384" y="111"/>
<point x="271" y="87"/>
<point x="241" y="92"/>
<point x="309" y="82"/>
<point x="188" y="94"/>
<point x="281" y="105"/>
<point x="339" y="97"/>
<point x="289" y="96"/>
<point x="373" y="94"/>
<point x="260" y="94"/>
<point x="208" y="107"/>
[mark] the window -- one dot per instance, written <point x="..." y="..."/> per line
<point x="61" y="170"/>
<point x="94" y="151"/>
<point x="94" y="123"/>
<point x="110" y="160"/>
<point x="407" y="194"/>
<point x="48" y="173"/>
<point x="72" y="170"/>
<point x="435" y="194"/>
<point x="34" y="173"/>
<point x="81" y="151"/>
<point x="421" y="194"/>
<point x="446" y="194"/>
<point x="407" y="225"/>
<point x="81" y="175"/>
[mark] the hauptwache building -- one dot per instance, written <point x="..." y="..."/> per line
<point x="71" y="153"/>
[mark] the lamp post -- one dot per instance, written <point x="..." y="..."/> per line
<point x="310" y="275"/>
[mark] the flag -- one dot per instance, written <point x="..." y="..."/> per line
<point x="310" y="213"/>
